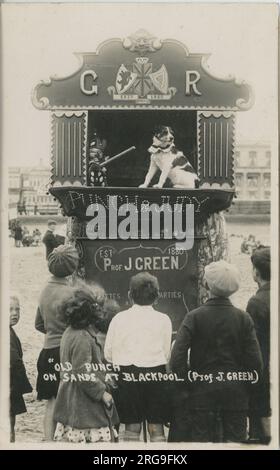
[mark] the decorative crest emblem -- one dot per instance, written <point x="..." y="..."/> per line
<point x="141" y="84"/>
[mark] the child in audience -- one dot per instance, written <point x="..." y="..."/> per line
<point x="19" y="383"/>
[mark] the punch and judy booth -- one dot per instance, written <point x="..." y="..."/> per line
<point x="110" y="106"/>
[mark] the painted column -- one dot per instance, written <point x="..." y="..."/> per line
<point x="69" y="134"/>
<point x="216" y="149"/>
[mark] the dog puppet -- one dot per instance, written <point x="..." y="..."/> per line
<point x="170" y="161"/>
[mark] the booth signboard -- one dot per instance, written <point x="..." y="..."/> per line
<point x="76" y="200"/>
<point x="142" y="71"/>
<point x="111" y="264"/>
<point x="109" y="108"/>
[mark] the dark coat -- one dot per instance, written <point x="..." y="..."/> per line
<point x="18" y="233"/>
<point x="51" y="241"/>
<point x="259" y="309"/>
<point x="19" y="383"/>
<point x="221" y="338"/>
<point x="79" y="403"/>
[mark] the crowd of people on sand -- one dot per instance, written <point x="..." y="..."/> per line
<point x="250" y="244"/>
<point x="24" y="237"/>
<point x="198" y="388"/>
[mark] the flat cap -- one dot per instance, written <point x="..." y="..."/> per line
<point x="63" y="260"/>
<point x="222" y="278"/>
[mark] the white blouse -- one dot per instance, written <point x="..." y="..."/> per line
<point x="139" y="336"/>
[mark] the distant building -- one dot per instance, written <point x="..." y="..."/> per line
<point x="28" y="188"/>
<point x="252" y="171"/>
<point x="14" y="184"/>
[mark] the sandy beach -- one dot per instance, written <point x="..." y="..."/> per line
<point x="28" y="275"/>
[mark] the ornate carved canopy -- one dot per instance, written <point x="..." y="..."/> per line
<point x="142" y="72"/>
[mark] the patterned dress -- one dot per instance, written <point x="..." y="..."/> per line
<point x="69" y="434"/>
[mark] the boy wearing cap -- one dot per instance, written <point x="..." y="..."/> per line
<point x="221" y="340"/>
<point x="62" y="262"/>
<point x="259" y="309"/>
<point x="49" y="239"/>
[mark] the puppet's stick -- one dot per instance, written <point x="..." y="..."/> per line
<point x="117" y="156"/>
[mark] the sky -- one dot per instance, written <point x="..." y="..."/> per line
<point x="39" y="41"/>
